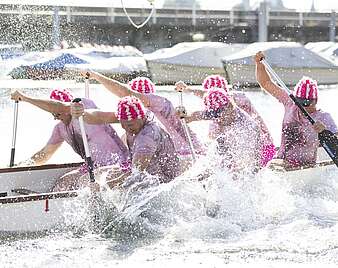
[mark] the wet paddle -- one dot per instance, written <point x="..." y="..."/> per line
<point x="89" y="160"/>
<point x="327" y="139"/>
<point x="15" y="124"/>
<point x="185" y="127"/>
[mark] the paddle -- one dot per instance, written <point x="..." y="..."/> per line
<point x="15" y="124"/>
<point x="89" y="160"/>
<point x="185" y="127"/>
<point x="327" y="139"/>
<point x="87" y="85"/>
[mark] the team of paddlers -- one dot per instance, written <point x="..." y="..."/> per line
<point x="158" y="140"/>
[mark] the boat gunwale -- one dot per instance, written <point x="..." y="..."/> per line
<point x="319" y="164"/>
<point x="38" y="197"/>
<point x="41" y="167"/>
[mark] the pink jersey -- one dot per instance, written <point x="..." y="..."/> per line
<point x="299" y="141"/>
<point x="165" y="113"/>
<point x="105" y="145"/>
<point x="267" y="146"/>
<point x="239" y="142"/>
<point x="155" y="142"/>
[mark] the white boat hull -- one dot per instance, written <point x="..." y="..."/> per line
<point x="39" y="179"/>
<point x="36" y="212"/>
<point x="244" y="74"/>
<point x="164" y="73"/>
<point x="33" y="212"/>
<point x="299" y="177"/>
<point x="45" y="211"/>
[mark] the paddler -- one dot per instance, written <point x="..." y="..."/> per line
<point x="299" y="139"/>
<point x="151" y="148"/>
<point x="105" y="145"/>
<point x="236" y="134"/>
<point x="243" y="102"/>
<point x="144" y="89"/>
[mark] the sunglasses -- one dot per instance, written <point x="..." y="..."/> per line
<point x="56" y="115"/>
<point x="304" y="102"/>
<point x="213" y="113"/>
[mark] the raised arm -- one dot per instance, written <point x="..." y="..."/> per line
<point x="264" y="80"/>
<point x="182" y="113"/>
<point x="93" y="116"/>
<point x="181" y="86"/>
<point x="117" y="88"/>
<point x="51" y="106"/>
<point x="195" y="116"/>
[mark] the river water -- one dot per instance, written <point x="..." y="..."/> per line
<point x="261" y="221"/>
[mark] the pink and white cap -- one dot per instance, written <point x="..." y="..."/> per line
<point x="215" y="81"/>
<point x="215" y="98"/>
<point x="61" y="95"/>
<point x="306" y="88"/>
<point x="142" y="85"/>
<point x="130" y="108"/>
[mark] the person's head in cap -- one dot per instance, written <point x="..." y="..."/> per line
<point x="218" y="106"/>
<point x="215" y="81"/>
<point x="142" y="85"/>
<point x="131" y="114"/>
<point x="62" y="95"/>
<point x="306" y="92"/>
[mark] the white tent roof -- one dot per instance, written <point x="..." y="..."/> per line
<point x="282" y="54"/>
<point x="319" y="47"/>
<point x="206" y="54"/>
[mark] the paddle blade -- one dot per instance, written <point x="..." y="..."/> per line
<point x="329" y="141"/>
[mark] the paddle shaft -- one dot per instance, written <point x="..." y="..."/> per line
<point x="89" y="160"/>
<point x="87" y="86"/>
<point x="327" y="139"/>
<point x="186" y="131"/>
<point x="15" y="124"/>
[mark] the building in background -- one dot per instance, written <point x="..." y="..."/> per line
<point x="182" y="4"/>
<point x="244" y="5"/>
<point x="272" y="4"/>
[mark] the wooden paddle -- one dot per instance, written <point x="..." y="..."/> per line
<point x="327" y="139"/>
<point x="89" y="160"/>
<point x="15" y="124"/>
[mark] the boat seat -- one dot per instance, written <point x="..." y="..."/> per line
<point x="23" y="191"/>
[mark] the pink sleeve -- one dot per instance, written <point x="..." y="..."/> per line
<point x="56" y="136"/>
<point x="160" y="105"/>
<point x="243" y="102"/>
<point x="145" y="144"/>
<point x="329" y="123"/>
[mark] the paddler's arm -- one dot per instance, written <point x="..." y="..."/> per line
<point x="182" y="113"/>
<point x="319" y="126"/>
<point x="141" y="162"/>
<point x="92" y="116"/>
<point x="117" y="88"/>
<point x="264" y="79"/>
<point x="195" y="116"/>
<point x="42" y="156"/>
<point x="181" y="86"/>
<point x="116" y="177"/>
<point x="51" y="106"/>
